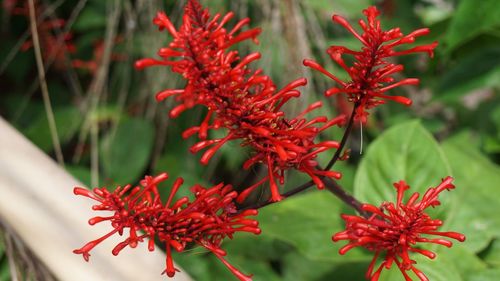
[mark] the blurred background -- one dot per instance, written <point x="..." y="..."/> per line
<point x="110" y="130"/>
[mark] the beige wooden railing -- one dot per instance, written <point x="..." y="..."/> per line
<point x="37" y="202"/>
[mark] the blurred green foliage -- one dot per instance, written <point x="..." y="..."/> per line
<point x="452" y="129"/>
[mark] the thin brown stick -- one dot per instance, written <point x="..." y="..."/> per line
<point x="43" y="86"/>
<point x="97" y="88"/>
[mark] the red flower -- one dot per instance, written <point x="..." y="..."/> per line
<point x="246" y="103"/>
<point x="396" y="230"/>
<point x="371" y="73"/>
<point x="139" y="211"/>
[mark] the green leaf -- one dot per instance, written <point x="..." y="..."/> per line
<point x="476" y="71"/>
<point x="90" y="18"/>
<point x="194" y="262"/>
<point x="257" y="247"/>
<point x="466" y="262"/>
<point x="404" y="152"/>
<point x="486" y="275"/>
<point x="476" y="198"/>
<point x="124" y="153"/>
<point x="495" y="117"/>
<point x="204" y="266"/>
<point x="179" y="163"/>
<point x="492" y="255"/>
<point x="455" y="263"/>
<point x="471" y="19"/>
<point x="438" y="269"/>
<point x="308" y="222"/>
<point x="492" y="144"/>
<point x="346" y="271"/>
<point x="81" y="173"/>
<point x="67" y="119"/>
<point x="299" y="268"/>
<point x="261" y="270"/>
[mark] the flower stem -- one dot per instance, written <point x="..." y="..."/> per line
<point x="330" y="185"/>
<point x="343" y="142"/>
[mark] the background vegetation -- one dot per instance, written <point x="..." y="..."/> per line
<point x="111" y="130"/>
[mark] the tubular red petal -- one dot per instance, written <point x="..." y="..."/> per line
<point x="314" y="65"/>
<point x="143" y="63"/>
<point x="407" y="81"/>
<point x="248" y="59"/>
<point x="251" y="33"/>
<point x="174" y="113"/>
<point x="239" y="25"/>
<point x="429" y="49"/>
<point x="211" y="151"/>
<point x="162" y="21"/>
<point x="177" y="184"/>
<point x="342" y="21"/>
<point x="245" y="193"/>
<point x="168" y="93"/>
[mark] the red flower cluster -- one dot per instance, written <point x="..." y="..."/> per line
<point x="371" y="73"/>
<point x="55" y="47"/>
<point x="396" y="229"/>
<point x="139" y="211"/>
<point x="244" y="102"/>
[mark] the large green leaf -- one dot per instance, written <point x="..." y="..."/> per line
<point x="492" y="254"/>
<point x="308" y="222"/>
<point x="260" y="269"/>
<point x="257" y="247"/>
<point x="477" y="195"/>
<point x="439" y="269"/>
<point x="404" y="152"/>
<point x="477" y="70"/>
<point x="204" y="266"/>
<point x="490" y="274"/>
<point x="471" y="19"/>
<point x="466" y="262"/>
<point x="456" y="263"/>
<point x="124" y="153"/>
<point x="299" y="268"/>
